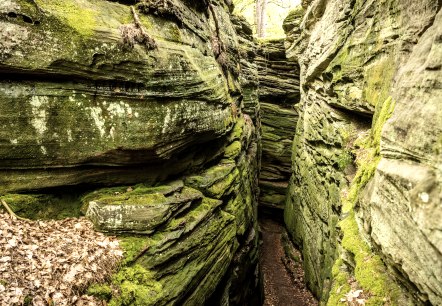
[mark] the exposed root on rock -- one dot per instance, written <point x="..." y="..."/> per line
<point x="219" y="48"/>
<point x="11" y="212"/>
<point x="136" y="33"/>
<point x="164" y="8"/>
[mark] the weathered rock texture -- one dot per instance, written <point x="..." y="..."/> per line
<point x="278" y="96"/>
<point x="78" y="103"/>
<point x="101" y="94"/>
<point x="365" y="194"/>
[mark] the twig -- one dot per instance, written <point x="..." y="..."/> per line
<point x="140" y="253"/>
<point x="11" y="212"/>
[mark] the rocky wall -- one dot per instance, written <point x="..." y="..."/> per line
<point x="88" y="89"/>
<point x="365" y="193"/>
<point x="136" y="113"/>
<point x="278" y="97"/>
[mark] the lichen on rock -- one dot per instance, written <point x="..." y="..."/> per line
<point x="130" y="112"/>
<point x="350" y="198"/>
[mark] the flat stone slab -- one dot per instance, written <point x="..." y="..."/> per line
<point x="140" y="210"/>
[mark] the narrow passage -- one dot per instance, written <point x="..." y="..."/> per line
<point x="283" y="276"/>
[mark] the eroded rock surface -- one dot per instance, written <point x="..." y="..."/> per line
<point x="365" y="194"/>
<point x="78" y="102"/>
<point x="278" y="96"/>
<point x="146" y="101"/>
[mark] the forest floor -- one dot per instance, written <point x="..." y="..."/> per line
<point x="53" y="262"/>
<point x="283" y="275"/>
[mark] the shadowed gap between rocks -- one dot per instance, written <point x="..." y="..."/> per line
<point x="281" y="265"/>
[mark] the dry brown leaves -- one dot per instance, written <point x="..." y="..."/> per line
<point x="53" y="262"/>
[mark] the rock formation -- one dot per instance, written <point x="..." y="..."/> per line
<point x="365" y="195"/>
<point x="278" y="96"/>
<point x="157" y="118"/>
<point x="136" y="111"/>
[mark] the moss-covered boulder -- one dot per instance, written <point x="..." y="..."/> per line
<point x="140" y="210"/>
<point x="186" y="245"/>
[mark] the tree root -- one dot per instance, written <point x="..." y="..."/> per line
<point x="136" y="32"/>
<point x="11" y="212"/>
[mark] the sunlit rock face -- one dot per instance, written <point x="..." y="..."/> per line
<point x="146" y="101"/>
<point x="365" y="194"/>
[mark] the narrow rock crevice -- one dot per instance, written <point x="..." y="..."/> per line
<point x="281" y="266"/>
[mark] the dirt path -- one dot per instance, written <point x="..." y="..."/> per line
<point x="283" y="277"/>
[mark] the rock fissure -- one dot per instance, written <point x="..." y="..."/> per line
<point x="168" y="125"/>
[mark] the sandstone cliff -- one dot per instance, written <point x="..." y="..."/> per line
<point x="365" y="194"/>
<point x="278" y="96"/>
<point x="135" y="113"/>
<point x="156" y="119"/>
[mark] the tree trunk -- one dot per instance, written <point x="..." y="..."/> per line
<point x="260" y="14"/>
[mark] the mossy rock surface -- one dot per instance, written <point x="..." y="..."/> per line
<point x="44" y="206"/>
<point x="184" y="235"/>
<point x="138" y="210"/>
<point x="366" y="149"/>
<point x="86" y="104"/>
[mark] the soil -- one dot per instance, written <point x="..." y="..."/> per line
<point x="283" y="276"/>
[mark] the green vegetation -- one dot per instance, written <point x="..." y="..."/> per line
<point x="76" y="15"/>
<point x="344" y="160"/>
<point x="275" y="12"/>
<point x="132" y="246"/>
<point x="136" y="286"/>
<point x="44" y="206"/>
<point x="232" y="150"/>
<point x="369" y="271"/>
<point x="101" y="291"/>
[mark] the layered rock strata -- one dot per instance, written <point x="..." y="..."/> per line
<point x="83" y="96"/>
<point x="278" y="97"/>
<point x="365" y="194"/>
<point x="145" y="100"/>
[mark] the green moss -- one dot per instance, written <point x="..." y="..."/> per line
<point x="44" y="206"/>
<point x="382" y="114"/>
<point x="340" y="283"/>
<point x="368" y="154"/>
<point x="139" y="195"/>
<point x="237" y="129"/>
<point x="100" y="291"/>
<point x="218" y="189"/>
<point x="211" y="175"/>
<point x="369" y="272"/>
<point x="297" y="11"/>
<point x="27" y="300"/>
<point x="378" y="80"/>
<point x="132" y="246"/>
<point x="136" y="286"/>
<point x="136" y="199"/>
<point x="344" y="159"/>
<point x="133" y="284"/>
<point x="74" y="12"/>
<point x="104" y="192"/>
<point x="233" y="149"/>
